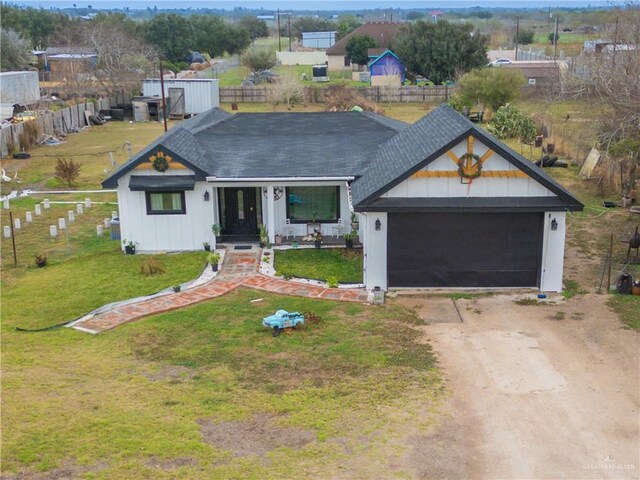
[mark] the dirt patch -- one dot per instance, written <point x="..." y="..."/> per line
<point x="431" y="309"/>
<point x="256" y="436"/>
<point x="171" y="463"/>
<point x="535" y="394"/>
<point x="68" y="471"/>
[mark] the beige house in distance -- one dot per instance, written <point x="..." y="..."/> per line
<point x="382" y="32"/>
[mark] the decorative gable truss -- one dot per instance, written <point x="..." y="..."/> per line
<point x="470" y="168"/>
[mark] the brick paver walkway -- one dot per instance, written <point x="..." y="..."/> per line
<point x="240" y="269"/>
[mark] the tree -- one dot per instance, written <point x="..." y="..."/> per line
<point x="15" y="52"/>
<point x="611" y="87"/>
<point x="524" y="37"/>
<point x="346" y="25"/>
<point x="124" y="59"/>
<point x="215" y="36"/>
<point x="38" y="26"/>
<point x="415" y="15"/>
<point x="357" y="48"/>
<point x="440" y="50"/>
<point x="172" y="34"/>
<point x="258" y="60"/>
<point x="552" y="37"/>
<point x="67" y="171"/>
<point x="491" y="86"/>
<point x="306" y="24"/>
<point x="257" y="28"/>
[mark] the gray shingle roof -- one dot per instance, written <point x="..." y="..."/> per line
<point x="424" y="141"/>
<point x="273" y="144"/>
<point x="380" y="152"/>
<point x="408" y="148"/>
<point x="179" y="140"/>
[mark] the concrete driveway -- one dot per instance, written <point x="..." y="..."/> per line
<point x="540" y="392"/>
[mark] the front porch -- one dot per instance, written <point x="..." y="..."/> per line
<point x="327" y="241"/>
<point x="289" y="210"/>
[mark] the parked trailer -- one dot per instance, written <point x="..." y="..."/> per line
<point x="185" y="96"/>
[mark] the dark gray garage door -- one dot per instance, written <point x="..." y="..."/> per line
<point x="464" y="249"/>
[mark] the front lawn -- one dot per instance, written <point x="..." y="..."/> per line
<point x="320" y="264"/>
<point x="207" y="392"/>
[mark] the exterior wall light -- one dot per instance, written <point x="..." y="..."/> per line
<point x="378" y="224"/>
<point x="554" y="224"/>
<point x="206" y="196"/>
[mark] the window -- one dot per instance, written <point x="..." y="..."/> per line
<point x="305" y="204"/>
<point x="347" y="61"/>
<point x="165" y="203"/>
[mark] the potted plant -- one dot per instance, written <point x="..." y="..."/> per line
<point x="215" y="228"/>
<point x="213" y="258"/>
<point x="348" y="239"/>
<point x="207" y="246"/>
<point x="294" y="244"/>
<point x="129" y="247"/>
<point x="264" y="236"/>
<point x="41" y="260"/>
<point x="317" y="238"/>
<point x="355" y="224"/>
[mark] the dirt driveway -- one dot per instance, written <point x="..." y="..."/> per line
<point x="540" y="392"/>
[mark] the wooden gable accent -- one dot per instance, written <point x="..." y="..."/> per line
<point x="148" y="163"/>
<point x="469" y="166"/>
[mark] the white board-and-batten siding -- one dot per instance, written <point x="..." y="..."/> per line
<point x="438" y="187"/>
<point x="159" y="233"/>
<point x="375" y="247"/>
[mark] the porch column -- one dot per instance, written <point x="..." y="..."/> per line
<point x="271" y="214"/>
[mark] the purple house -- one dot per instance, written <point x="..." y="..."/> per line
<point x="387" y="69"/>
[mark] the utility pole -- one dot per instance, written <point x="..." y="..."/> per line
<point x="555" y="40"/>
<point x="517" y="35"/>
<point x="615" y="44"/>
<point x="164" y="103"/>
<point x="289" y="30"/>
<point x="279" y="44"/>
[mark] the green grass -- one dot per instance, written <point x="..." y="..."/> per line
<point x="233" y="77"/>
<point x="39" y="297"/>
<point x="572" y="288"/>
<point x="628" y="308"/>
<point x="89" y="148"/>
<point x="320" y="264"/>
<point x="135" y="393"/>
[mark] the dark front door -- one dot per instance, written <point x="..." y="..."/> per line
<point x="464" y="249"/>
<point x="241" y="211"/>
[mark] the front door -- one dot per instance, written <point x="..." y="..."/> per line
<point x="241" y="211"/>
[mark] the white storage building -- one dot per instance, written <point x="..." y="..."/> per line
<point x="185" y="96"/>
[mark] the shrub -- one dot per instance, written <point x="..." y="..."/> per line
<point x="151" y="266"/>
<point x="510" y="122"/>
<point x="340" y="98"/>
<point x="332" y="282"/>
<point x="524" y="37"/>
<point x="67" y="171"/>
<point x="493" y="87"/>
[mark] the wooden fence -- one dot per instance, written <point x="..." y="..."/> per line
<point x="317" y="94"/>
<point x="59" y="122"/>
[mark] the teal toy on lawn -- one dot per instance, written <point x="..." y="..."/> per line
<point x="281" y="320"/>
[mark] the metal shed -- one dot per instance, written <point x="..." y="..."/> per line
<point x="22" y="88"/>
<point x="185" y="96"/>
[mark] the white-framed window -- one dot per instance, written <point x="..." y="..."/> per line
<point x="165" y="203"/>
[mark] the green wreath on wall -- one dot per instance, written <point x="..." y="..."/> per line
<point x="160" y="162"/>
<point x="472" y="172"/>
